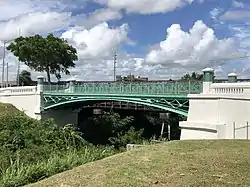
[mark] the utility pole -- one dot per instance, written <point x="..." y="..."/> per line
<point x="4" y="43"/>
<point x="18" y="62"/>
<point x="7" y="74"/>
<point x="115" y="61"/>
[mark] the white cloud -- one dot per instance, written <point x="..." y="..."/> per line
<point x="13" y="8"/>
<point x="236" y="15"/>
<point x="145" y="6"/>
<point x="97" y="42"/>
<point x="242" y="33"/>
<point x="95" y="50"/>
<point x="97" y="17"/>
<point x="95" y="45"/>
<point x="32" y="23"/>
<point x="238" y="4"/>
<point x="215" y="13"/>
<point x="197" y="48"/>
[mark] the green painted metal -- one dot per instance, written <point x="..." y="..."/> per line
<point x="174" y="104"/>
<point x="170" y="96"/>
<point x="40" y="80"/>
<point x="232" y="78"/>
<point x="208" y="75"/>
<point x="142" y="88"/>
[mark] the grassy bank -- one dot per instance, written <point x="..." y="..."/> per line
<point x="179" y="163"/>
<point x="19" y="174"/>
<point x="32" y="150"/>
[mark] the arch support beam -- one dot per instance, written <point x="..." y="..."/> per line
<point x="173" y="104"/>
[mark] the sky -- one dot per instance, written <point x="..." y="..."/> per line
<point x="159" y="39"/>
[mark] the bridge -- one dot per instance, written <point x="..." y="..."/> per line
<point x="169" y="96"/>
<point x="213" y="110"/>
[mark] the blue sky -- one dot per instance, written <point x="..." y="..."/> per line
<point x="160" y="39"/>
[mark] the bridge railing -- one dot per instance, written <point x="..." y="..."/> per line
<point x="18" y="90"/>
<point x="230" y="88"/>
<point x="142" y="88"/>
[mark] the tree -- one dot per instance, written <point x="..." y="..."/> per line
<point x="52" y="55"/>
<point x="111" y="128"/>
<point x="25" y="78"/>
<point x="193" y="76"/>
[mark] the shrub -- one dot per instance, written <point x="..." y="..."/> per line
<point x="32" y="150"/>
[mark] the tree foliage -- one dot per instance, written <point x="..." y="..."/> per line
<point x="192" y="76"/>
<point x="31" y="150"/>
<point x="32" y="139"/>
<point x="111" y="128"/>
<point x="52" y="55"/>
<point x="25" y="78"/>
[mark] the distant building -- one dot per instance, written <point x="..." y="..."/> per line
<point x="132" y="78"/>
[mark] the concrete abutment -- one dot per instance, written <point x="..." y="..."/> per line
<point x="221" y="111"/>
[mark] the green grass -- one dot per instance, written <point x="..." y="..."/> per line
<point x="178" y="163"/>
<point x="18" y="174"/>
<point x="32" y="150"/>
<point x="5" y="107"/>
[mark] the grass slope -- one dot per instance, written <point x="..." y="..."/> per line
<point x="178" y="163"/>
<point x="6" y="107"/>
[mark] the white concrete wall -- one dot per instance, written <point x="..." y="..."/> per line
<point x="224" y="105"/>
<point x="26" y="99"/>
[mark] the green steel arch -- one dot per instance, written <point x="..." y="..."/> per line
<point x="171" y="104"/>
<point x="167" y="95"/>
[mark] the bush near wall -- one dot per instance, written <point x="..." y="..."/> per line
<point x="32" y="150"/>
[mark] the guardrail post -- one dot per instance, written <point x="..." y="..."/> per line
<point x="40" y="83"/>
<point x="72" y="85"/>
<point x="232" y="77"/>
<point x="40" y="101"/>
<point x="208" y="77"/>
